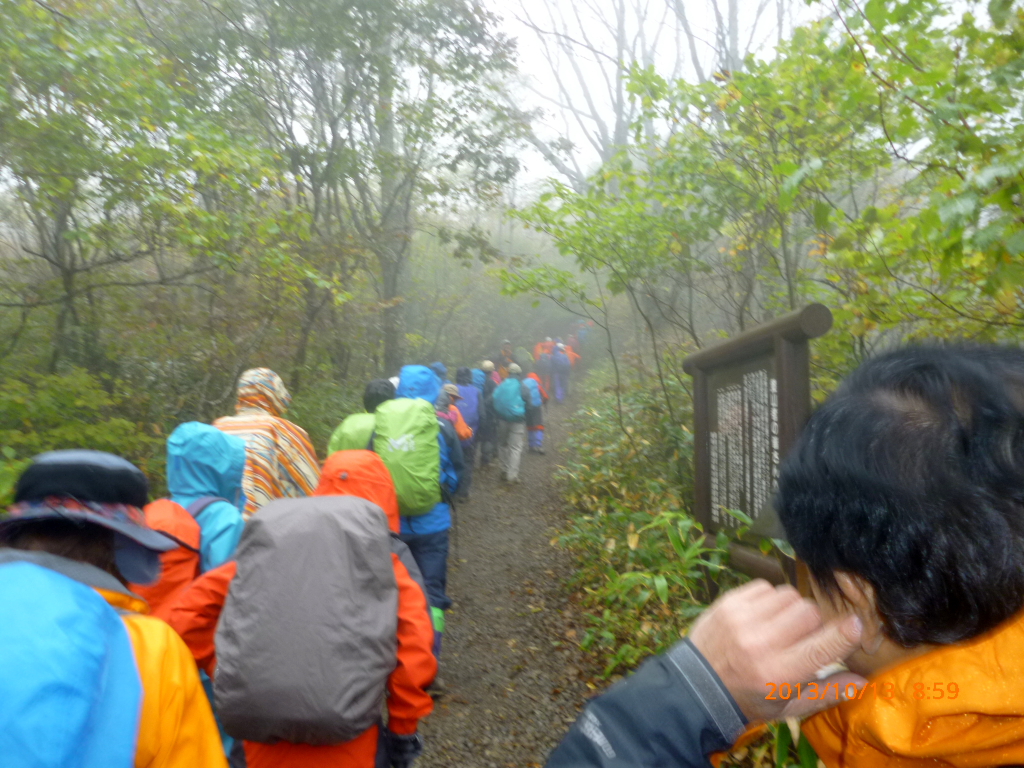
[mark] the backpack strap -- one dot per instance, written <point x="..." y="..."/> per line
<point x="193" y="509"/>
<point x="401" y="549"/>
<point x="200" y="504"/>
<point x="176" y="540"/>
<point x="160" y="525"/>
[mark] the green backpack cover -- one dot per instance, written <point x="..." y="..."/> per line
<point x="353" y="434"/>
<point x="406" y="440"/>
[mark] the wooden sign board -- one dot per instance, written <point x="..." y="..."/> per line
<point x="751" y="397"/>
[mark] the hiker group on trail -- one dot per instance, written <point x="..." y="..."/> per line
<point x="270" y="609"/>
<point x="182" y="634"/>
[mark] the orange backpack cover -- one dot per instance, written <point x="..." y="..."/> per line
<point x="362" y="474"/>
<point x="179" y="567"/>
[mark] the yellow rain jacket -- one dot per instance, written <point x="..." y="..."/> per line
<point x="176" y="728"/>
<point x="960" y="705"/>
<point x="176" y="725"/>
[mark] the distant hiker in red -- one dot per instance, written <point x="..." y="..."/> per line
<point x="273" y="641"/>
<point x="542" y="357"/>
<point x="543" y="346"/>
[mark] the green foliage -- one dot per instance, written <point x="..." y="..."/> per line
<point x="644" y="568"/>
<point x="11" y="468"/>
<point x="112" y="141"/>
<point x="642" y="560"/>
<point x="938" y="254"/>
<point x="875" y="163"/>
<point x="43" y="413"/>
<point x="321" y="407"/>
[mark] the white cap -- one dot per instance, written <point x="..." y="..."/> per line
<point x="514" y="368"/>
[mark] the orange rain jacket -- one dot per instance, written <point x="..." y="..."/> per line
<point x="540" y="386"/>
<point x="195" y="616"/>
<point x="571" y="354"/>
<point x="960" y="705"/>
<point x="502" y="363"/>
<point x="462" y="430"/>
<point x="541" y="347"/>
<point x="179" y="567"/>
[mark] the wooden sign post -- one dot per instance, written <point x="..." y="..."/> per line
<point x="751" y="397"/>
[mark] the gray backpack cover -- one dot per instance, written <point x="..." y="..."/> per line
<point x="307" y="637"/>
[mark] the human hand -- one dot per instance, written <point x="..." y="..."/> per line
<point x="759" y="634"/>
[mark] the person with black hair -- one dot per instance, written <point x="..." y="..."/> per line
<point x="354" y="432"/>
<point x="904" y="496"/>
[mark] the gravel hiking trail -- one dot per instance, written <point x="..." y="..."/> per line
<point x="514" y="674"/>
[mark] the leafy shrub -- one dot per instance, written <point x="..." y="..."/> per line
<point x="49" y="412"/>
<point x="644" y="562"/>
<point x="645" y="568"/>
<point x="320" y="408"/>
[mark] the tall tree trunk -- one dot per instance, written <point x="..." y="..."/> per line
<point x="393" y="223"/>
<point x="315" y="301"/>
<point x="390" y="273"/>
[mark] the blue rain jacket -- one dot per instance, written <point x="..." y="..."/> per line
<point x="203" y="461"/>
<point x="70" y="690"/>
<point x="440" y="369"/>
<point x="535" y="398"/>
<point x="418" y="381"/>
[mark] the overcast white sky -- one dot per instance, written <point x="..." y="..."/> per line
<point x="591" y="24"/>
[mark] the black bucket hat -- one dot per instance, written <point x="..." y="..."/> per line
<point x="98" y="488"/>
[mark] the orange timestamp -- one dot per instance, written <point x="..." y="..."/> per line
<point x="887" y="691"/>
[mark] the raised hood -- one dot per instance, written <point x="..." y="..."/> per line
<point x="203" y="461"/>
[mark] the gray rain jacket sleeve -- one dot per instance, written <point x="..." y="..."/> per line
<point x="672" y="713"/>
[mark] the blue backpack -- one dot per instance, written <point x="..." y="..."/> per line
<point x="479" y="377"/>
<point x="544" y="363"/>
<point x="561" y="362"/>
<point x="469" y="405"/>
<point x="531" y="385"/>
<point x="508" y="402"/>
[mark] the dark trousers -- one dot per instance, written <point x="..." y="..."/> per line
<point x="561" y="385"/>
<point x="468" y="459"/>
<point x="487" y="438"/>
<point x="430" y="551"/>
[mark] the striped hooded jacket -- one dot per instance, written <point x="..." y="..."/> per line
<point x="279" y="459"/>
